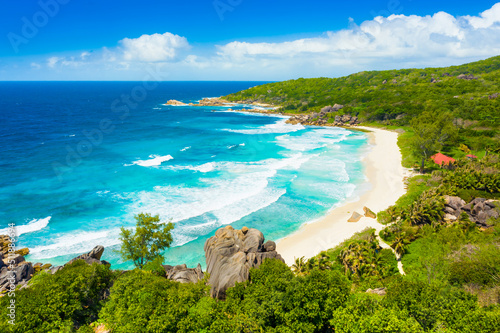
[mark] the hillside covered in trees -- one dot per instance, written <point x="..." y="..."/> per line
<point x="470" y="93"/>
<point x="435" y="267"/>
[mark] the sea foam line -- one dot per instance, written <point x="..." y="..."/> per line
<point x="32" y="226"/>
<point x="75" y="243"/>
<point x="154" y="160"/>
<point x="278" y="127"/>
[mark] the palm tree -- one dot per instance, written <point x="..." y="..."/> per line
<point x="399" y="245"/>
<point x="323" y="261"/>
<point x="312" y="263"/>
<point x="375" y="263"/>
<point x="299" y="267"/>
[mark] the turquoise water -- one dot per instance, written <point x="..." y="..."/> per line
<point x="74" y="169"/>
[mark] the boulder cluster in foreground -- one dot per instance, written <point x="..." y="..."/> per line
<point x="229" y="256"/>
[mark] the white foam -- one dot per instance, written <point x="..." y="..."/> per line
<point x="207" y="167"/>
<point x="154" y="160"/>
<point x="312" y="140"/>
<point x="186" y="148"/>
<point x="243" y="190"/>
<point x="75" y="243"/>
<point x="234" y="146"/>
<point x="32" y="226"/>
<point x="278" y="127"/>
<point x="228" y="214"/>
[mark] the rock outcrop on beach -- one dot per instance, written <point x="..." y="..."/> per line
<point x="479" y="210"/>
<point x="183" y="274"/>
<point x="369" y="213"/>
<point x="355" y="217"/>
<point x="231" y="253"/>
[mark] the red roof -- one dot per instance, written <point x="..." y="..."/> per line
<point x="442" y="159"/>
<point x="471" y="156"/>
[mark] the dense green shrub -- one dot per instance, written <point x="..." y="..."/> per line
<point x="61" y="302"/>
<point x="143" y="302"/>
<point x="427" y="209"/>
<point x="366" y="313"/>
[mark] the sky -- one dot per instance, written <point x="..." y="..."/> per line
<point x="238" y="40"/>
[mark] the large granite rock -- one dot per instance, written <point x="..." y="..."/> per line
<point x="355" y="217"/>
<point x="466" y="77"/>
<point x="369" y="213"/>
<point x="479" y="210"/>
<point x="11" y="278"/>
<point x="94" y="256"/>
<point x="231" y="253"/>
<point x="14" y="270"/>
<point x="183" y="274"/>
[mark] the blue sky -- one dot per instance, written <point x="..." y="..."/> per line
<point x="238" y="39"/>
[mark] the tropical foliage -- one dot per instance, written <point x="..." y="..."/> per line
<point x="150" y="239"/>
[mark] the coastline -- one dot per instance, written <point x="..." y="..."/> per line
<point x="385" y="174"/>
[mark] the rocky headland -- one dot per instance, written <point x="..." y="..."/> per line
<point x="230" y="255"/>
<point x="216" y="101"/>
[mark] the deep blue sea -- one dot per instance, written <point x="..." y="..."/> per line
<point x="79" y="159"/>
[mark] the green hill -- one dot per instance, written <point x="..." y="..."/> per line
<point x="385" y="95"/>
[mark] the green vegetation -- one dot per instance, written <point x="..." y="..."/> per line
<point x="452" y="281"/>
<point x="151" y="237"/>
<point x="405" y="92"/>
<point x="394" y="98"/>
<point x="62" y="302"/>
<point x="431" y="133"/>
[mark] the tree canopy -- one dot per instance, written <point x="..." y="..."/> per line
<point x="150" y="239"/>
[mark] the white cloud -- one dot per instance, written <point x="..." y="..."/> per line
<point x="395" y="41"/>
<point x="153" y="48"/>
<point x="35" y="65"/>
<point x="84" y="55"/>
<point x="52" y="61"/>
<point x="487" y="18"/>
<point x="395" y="37"/>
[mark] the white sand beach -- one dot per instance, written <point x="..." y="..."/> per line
<point x="386" y="176"/>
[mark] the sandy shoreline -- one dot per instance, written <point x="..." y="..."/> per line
<point x="385" y="174"/>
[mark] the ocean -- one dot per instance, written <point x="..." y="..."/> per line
<point x="79" y="159"/>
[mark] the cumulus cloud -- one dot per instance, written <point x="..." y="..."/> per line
<point x="52" y="61"/>
<point x="153" y="48"/>
<point x="385" y="42"/>
<point x="396" y="37"/>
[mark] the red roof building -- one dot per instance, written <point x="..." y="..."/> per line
<point x="442" y="159"/>
<point x="471" y="156"/>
